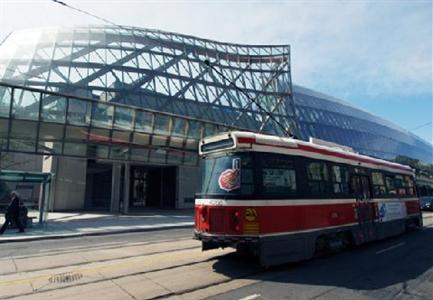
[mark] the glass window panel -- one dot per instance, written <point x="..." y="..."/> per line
<point x="120" y="137"/>
<point x="174" y="157"/>
<point x="390" y="184"/>
<point x="179" y="127"/>
<point x="23" y="129"/>
<point x="279" y="181"/>
<point x="210" y="129"/>
<point x="377" y="178"/>
<point x="5" y="101"/>
<point x="99" y="135"/>
<point x="176" y="142"/>
<point x="158" y="155"/>
<point x="50" y="138"/>
<point x="123" y="118"/>
<point x="159" y="140"/>
<point x="139" y="154"/>
<point x="143" y="121"/>
<point x="49" y="147"/>
<point x="140" y="138"/>
<point x="22" y="145"/>
<point x="23" y="136"/>
<point x="119" y="152"/>
<point x="191" y="144"/>
<point x="79" y="112"/>
<point x="102" y="115"/>
<point x="317" y="171"/>
<point x="75" y="149"/>
<point x="76" y="133"/>
<point x="4" y="128"/>
<point x="53" y="108"/>
<point x="340" y="178"/>
<point x="26" y="104"/>
<point x="97" y="151"/>
<point x="194" y="129"/>
<point x="190" y="158"/>
<point x="50" y="132"/>
<point x="162" y="124"/>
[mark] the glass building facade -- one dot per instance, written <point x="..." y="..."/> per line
<point x="136" y="95"/>
<point x="166" y="72"/>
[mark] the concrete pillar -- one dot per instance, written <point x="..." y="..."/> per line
<point x="69" y="183"/>
<point x="115" y="188"/>
<point x="126" y="188"/>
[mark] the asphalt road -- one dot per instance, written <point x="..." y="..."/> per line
<point x="397" y="268"/>
<point x="168" y="264"/>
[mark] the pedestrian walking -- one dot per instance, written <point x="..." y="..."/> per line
<point x="13" y="213"/>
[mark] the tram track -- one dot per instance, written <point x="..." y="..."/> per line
<point x="99" y="261"/>
<point x="85" y="262"/>
<point x="56" y="252"/>
<point x="84" y="271"/>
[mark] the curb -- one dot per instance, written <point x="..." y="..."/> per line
<point x="77" y="235"/>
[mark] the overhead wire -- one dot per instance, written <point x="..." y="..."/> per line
<point x="86" y="13"/>
<point x="421" y="126"/>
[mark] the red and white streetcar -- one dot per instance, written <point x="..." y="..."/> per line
<point x="286" y="200"/>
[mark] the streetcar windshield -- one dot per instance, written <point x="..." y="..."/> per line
<point x="228" y="174"/>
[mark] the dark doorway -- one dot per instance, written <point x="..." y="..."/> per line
<point x="152" y="187"/>
<point x="98" y="186"/>
<point x="169" y="187"/>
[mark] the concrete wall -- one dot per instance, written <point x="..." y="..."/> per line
<point x="188" y="181"/>
<point x="69" y="182"/>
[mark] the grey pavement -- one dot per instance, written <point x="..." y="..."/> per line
<point x="70" y="224"/>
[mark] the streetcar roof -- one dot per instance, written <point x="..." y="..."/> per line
<point x="249" y="141"/>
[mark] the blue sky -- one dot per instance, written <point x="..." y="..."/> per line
<point x="374" y="54"/>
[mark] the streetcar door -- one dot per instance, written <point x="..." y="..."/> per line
<point x="363" y="207"/>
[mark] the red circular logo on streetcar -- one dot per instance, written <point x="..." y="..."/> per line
<point x="229" y="180"/>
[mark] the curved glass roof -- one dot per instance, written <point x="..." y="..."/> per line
<point x="165" y="72"/>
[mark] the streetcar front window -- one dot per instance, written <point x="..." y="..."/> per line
<point x="230" y="174"/>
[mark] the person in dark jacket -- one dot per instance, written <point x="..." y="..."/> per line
<point x="13" y="213"/>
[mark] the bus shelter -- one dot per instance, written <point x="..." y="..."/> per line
<point x="44" y="179"/>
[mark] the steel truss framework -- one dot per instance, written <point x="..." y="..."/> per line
<point x="165" y="72"/>
<point x="160" y="71"/>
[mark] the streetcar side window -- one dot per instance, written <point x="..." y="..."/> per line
<point x="390" y="184"/>
<point x="340" y="180"/>
<point x="317" y="175"/>
<point x="398" y="182"/>
<point x="379" y="187"/>
<point x="278" y="175"/>
<point x="408" y="183"/>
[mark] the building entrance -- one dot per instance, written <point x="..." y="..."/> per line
<point x="152" y="187"/>
<point x="98" y="186"/>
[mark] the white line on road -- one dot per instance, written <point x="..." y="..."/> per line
<point x="250" y="297"/>
<point x="390" y="248"/>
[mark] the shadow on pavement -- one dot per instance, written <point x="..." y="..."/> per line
<point x="364" y="268"/>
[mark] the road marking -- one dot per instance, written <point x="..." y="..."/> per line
<point x="390" y="248"/>
<point x="250" y="297"/>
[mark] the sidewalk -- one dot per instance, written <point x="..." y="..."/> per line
<point x="64" y="225"/>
